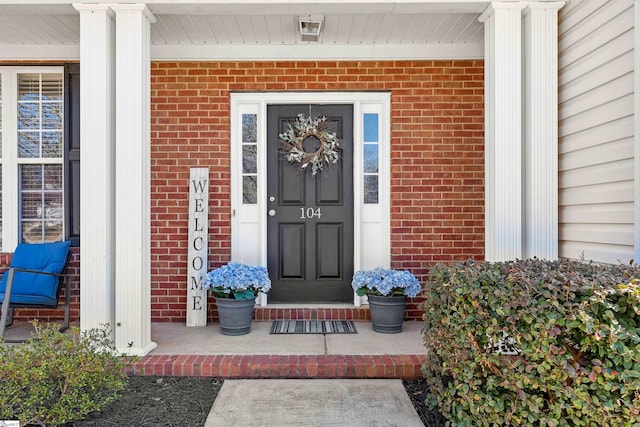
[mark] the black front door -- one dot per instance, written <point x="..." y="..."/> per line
<point x="310" y="217"/>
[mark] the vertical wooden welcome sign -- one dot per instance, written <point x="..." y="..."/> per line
<point x="198" y="238"/>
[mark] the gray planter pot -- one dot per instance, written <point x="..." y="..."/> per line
<point x="235" y="315"/>
<point x="387" y="313"/>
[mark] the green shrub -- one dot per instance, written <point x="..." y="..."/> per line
<point x="575" y="334"/>
<point x="58" y="377"/>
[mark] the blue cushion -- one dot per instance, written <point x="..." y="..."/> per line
<point x="31" y="300"/>
<point x="30" y="288"/>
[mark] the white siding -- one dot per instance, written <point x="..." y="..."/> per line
<point x="596" y="130"/>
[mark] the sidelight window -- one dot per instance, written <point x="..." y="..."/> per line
<point x="250" y="159"/>
<point x="371" y="163"/>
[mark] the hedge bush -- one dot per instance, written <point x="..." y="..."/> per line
<point x="55" y="378"/>
<point x="574" y="330"/>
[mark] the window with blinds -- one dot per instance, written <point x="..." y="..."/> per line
<point x="33" y="151"/>
<point x="40" y="146"/>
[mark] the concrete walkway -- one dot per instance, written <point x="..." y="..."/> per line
<point x="302" y="403"/>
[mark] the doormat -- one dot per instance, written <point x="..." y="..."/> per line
<point x="313" y="327"/>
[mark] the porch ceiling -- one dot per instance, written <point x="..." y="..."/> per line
<point x="349" y="23"/>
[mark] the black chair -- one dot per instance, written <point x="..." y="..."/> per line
<point x="35" y="279"/>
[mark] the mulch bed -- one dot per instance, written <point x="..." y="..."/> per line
<point x="159" y="401"/>
<point x="418" y="391"/>
<point x="186" y="402"/>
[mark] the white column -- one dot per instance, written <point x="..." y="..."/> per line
<point x="503" y="131"/>
<point x="133" y="183"/>
<point x="541" y="130"/>
<point x="97" y="172"/>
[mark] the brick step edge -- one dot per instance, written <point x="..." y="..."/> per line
<point x="345" y="313"/>
<point x="281" y="366"/>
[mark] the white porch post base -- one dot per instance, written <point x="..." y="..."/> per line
<point x="261" y="299"/>
<point x="133" y="179"/>
<point x="97" y="171"/>
<point x="503" y="131"/>
<point x="359" y="301"/>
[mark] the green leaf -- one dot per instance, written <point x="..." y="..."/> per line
<point x="572" y="323"/>
<point x="247" y="294"/>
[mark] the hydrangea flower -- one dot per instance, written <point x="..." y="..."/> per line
<point x="238" y="281"/>
<point x="385" y="282"/>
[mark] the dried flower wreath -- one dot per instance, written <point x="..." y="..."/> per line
<point x="303" y="128"/>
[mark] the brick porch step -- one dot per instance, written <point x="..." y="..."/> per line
<point x="321" y="313"/>
<point x="184" y="351"/>
<point x="278" y="366"/>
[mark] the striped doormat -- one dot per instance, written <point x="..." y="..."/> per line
<point x="313" y="327"/>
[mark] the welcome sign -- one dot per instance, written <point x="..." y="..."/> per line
<point x="198" y="250"/>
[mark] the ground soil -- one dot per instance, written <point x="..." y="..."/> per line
<point x="186" y="401"/>
<point x="159" y="402"/>
<point x="418" y="391"/>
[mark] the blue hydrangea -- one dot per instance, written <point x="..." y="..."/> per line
<point x="385" y="282"/>
<point x="239" y="281"/>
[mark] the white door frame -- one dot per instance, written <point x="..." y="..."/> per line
<point x="372" y="229"/>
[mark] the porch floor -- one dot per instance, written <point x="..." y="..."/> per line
<point x="204" y="351"/>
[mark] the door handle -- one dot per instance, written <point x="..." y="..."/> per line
<point x="272" y="212"/>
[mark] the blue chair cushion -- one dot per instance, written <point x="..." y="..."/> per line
<point x="36" y="289"/>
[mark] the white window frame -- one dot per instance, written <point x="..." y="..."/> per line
<point x="372" y="223"/>
<point x="10" y="162"/>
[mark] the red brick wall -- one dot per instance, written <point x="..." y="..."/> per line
<point x="437" y="160"/>
<point x="437" y="211"/>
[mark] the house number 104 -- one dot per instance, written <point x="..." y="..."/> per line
<point x="309" y="213"/>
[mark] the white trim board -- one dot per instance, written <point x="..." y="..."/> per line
<point x="372" y="230"/>
<point x="229" y="52"/>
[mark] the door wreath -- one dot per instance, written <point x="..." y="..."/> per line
<point x="302" y="128"/>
